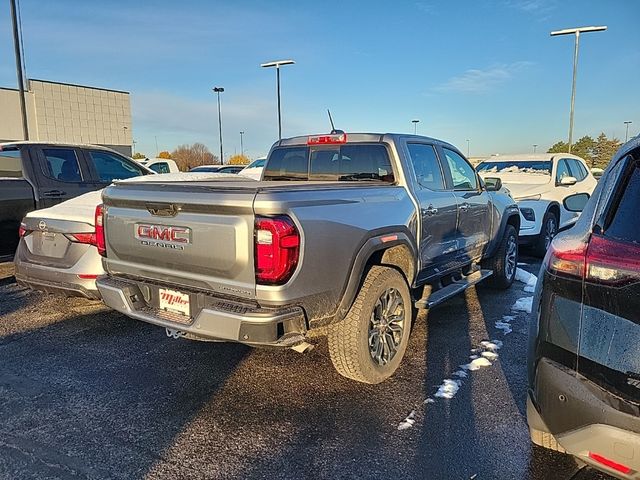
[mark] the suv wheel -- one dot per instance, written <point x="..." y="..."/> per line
<point x="505" y="261"/>
<point x="547" y="232"/>
<point x="369" y="343"/>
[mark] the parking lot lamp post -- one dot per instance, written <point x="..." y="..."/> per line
<point x="468" y="148"/>
<point x="218" y="91"/>
<point x="626" y="135"/>
<point x="535" y="146"/>
<point x="278" y="64"/>
<point x="576" y="32"/>
<point x="16" y="44"/>
<point x="415" y="126"/>
<point x="241" y="144"/>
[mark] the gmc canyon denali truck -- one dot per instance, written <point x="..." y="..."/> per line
<point x="345" y="234"/>
<point x="36" y="175"/>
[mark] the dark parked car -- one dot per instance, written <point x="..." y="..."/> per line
<point x="38" y="175"/>
<point x="584" y="355"/>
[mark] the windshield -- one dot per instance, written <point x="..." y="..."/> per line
<point x="257" y="163"/>
<point x="542" y="167"/>
<point x="351" y="162"/>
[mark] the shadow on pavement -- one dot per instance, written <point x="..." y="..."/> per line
<point x="101" y="396"/>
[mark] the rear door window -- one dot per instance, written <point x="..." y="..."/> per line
<point x="577" y="169"/>
<point x="426" y="166"/>
<point x="10" y="163"/>
<point x="62" y="164"/>
<point x="110" y="167"/>
<point x="624" y="224"/>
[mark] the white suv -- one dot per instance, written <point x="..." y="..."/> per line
<point x="539" y="183"/>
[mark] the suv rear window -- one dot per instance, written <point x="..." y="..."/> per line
<point x="10" y="163"/>
<point x="351" y="162"/>
<point x="623" y="226"/>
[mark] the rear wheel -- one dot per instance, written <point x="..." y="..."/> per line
<point x="505" y="261"/>
<point x="548" y="230"/>
<point x="369" y="343"/>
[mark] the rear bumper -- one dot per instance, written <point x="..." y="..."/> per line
<point x="581" y="417"/>
<point x="219" y="318"/>
<point x="56" y="281"/>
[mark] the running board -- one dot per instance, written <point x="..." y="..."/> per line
<point x="456" y="287"/>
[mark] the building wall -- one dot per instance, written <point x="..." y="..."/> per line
<point x="59" y="112"/>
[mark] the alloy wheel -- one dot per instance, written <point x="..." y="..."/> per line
<point x="386" y="326"/>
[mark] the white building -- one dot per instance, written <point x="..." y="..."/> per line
<point x="61" y="112"/>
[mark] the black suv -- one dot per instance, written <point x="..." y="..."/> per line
<point x="584" y="352"/>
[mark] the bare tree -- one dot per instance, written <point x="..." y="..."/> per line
<point x="189" y="156"/>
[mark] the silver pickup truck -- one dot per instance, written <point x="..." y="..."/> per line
<point x="344" y="235"/>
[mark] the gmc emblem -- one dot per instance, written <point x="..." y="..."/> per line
<point x="162" y="233"/>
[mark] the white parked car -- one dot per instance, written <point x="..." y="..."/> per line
<point x="539" y="183"/>
<point x="254" y="169"/>
<point x="161" y="165"/>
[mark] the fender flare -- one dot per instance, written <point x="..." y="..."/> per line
<point x="378" y="241"/>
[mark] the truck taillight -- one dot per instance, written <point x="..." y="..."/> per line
<point x="99" y="223"/>
<point x="277" y="247"/>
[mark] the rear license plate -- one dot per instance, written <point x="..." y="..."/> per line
<point x="174" y="301"/>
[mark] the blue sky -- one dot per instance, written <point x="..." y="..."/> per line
<point x="478" y="70"/>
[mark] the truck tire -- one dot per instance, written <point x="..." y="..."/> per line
<point x="369" y="343"/>
<point x="548" y="230"/>
<point x="505" y="260"/>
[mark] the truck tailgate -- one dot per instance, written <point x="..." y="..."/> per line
<point x="196" y="235"/>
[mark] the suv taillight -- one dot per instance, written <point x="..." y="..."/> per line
<point x="99" y="224"/>
<point x="601" y="260"/>
<point x="611" y="261"/>
<point x="566" y="257"/>
<point x="277" y="247"/>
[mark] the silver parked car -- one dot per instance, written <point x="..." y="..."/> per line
<point x="57" y="252"/>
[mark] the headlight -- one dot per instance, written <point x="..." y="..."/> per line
<point x="529" y="197"/>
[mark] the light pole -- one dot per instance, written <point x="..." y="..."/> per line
<point x="157" y="151"/>
<point x="535" y="145"/>
<point x="626" y="135"/>
<point x="16" y="44"/>
<point x="468" y="148"/>
<point x="278" y="64"/>
<point x="218" y="91"/>
<point x="241" y="144"/>
<point x="576" y="32"/>
<point x="415" y="126"/>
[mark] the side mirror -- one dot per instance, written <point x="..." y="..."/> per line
<point x="568" y="181"/>
<point x="576" y="203"/>
<point x="492" y="184"/>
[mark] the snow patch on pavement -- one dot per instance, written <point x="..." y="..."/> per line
<point x="448" y="389"/>
<point x="477" y="364"/>
<point x="408" y="422"/>
<point x="529" y="279"/>
<point x="523" y="304"/>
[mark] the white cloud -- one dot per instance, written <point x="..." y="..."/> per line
<point x="477" y="81"/>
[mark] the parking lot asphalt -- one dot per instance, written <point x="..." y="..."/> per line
<point x="88" y="393"/>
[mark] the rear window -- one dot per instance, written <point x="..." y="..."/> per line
<point x="351" y="162"/>
<point x="10" y="163"/>
<point x="623" y="226"/>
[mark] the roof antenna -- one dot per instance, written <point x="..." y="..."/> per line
<point x="333" y="127"/>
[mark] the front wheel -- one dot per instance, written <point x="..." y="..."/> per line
<point x="505" y="260"/>
<point x="548" y="230"/>
<point x="369" y="343"/>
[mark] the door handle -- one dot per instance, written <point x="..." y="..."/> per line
<point x="430" y="210"/>
<point x="464" y="207"/>
<point x="53" y="193"/>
